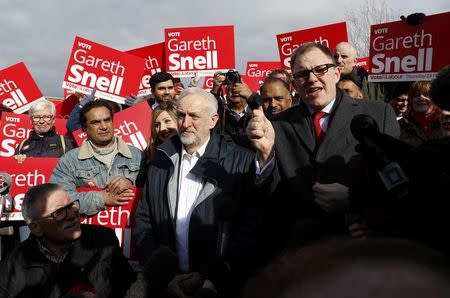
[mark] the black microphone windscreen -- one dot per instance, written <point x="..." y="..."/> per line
<point x="161" y="267"/>
<point x="363" y="126"/>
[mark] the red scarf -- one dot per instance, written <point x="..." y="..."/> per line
<point x="425" y="121"/>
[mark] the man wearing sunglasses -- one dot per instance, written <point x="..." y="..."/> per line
<point x="43" y="140"/>
<point x="62" y="257"/>
<point x="304" y="154"/>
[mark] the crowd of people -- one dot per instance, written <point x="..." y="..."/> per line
<point x="246" y="193"/>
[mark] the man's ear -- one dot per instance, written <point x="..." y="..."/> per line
<point x="213" y="121"/>
<point x="337" y="73"/>
<point x="36" y="229"/>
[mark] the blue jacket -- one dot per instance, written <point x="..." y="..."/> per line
<point x="50" y="145"/>
<point x="79" y="168"/>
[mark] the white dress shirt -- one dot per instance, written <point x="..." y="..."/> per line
<point x="326" y="118"/>
<point x="189" y="187"/>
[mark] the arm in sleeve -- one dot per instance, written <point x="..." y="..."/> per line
<point x="391" y="126"/>
<point x="73" y="123"/>
<point x="91" y="202"/>
<point x="262" y="175"/>
<point x="143" y="231"/>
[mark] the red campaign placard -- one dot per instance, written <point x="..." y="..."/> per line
<point x="65" y="107"/>
<point x="133" y="125"/>
<point x="199" y="49"/>
<point x="329" y="35"/>
<point x="31" y="172"/>
<point x="257" y="71"/>
<point x="363" y="62"/>
<point x="114" y="74"/>
<point x="119" y="218"/>
<point x="208" y="83"/>
<point x="154" y="62"/>
<point x="17" y="88"/>
<point x="16" y="128"/>
<point x="400" y="52"/>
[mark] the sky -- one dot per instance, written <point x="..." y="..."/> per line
<point x="41" y="33"/>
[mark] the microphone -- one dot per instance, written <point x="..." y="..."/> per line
<point x="160" y="269"/>
<point x="363" y="126"/>
<point x="375" y="146"/>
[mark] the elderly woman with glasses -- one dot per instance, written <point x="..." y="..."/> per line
<point x="43" y="140"/>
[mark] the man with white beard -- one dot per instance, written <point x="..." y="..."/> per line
<point x="195" y="186"/>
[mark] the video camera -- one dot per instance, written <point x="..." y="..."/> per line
<point x="231" y="77"/>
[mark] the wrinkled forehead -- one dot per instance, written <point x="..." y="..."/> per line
<point x="98" y="113"/>
<point x="54" y="201"/>
<point x="191" y="103"/>
<point x="344" y="50"/>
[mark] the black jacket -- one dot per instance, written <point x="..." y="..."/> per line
<point x="95" y="258"/>
<point x="228" y="125"/>
<point x="227" y="171"/>
<point x="370" y="90"/>
<point x="49" y="145"/>
<point x="293" y="213"/>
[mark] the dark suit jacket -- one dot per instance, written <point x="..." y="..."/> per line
<point x="293" y="214"/>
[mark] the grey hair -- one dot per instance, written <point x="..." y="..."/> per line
<point x="40" y="105"/>
<point x="210" y="101"/>
<point x="34" y="198"/>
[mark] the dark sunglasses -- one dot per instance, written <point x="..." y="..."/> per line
<point x="61" y="213"/>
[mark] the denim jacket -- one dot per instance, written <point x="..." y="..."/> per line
<point x="78" y="168"/>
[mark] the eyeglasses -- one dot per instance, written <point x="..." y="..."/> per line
<point x="38" y="118"/>
<point x="318" y="71"/>
<point x="61" y="213"/>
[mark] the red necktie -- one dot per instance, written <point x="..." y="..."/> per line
<point x="317" y="128"/>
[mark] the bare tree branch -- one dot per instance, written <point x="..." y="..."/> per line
<point x="359" y="19"/>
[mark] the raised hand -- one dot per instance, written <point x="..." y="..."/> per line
<point x="262" y="135"/>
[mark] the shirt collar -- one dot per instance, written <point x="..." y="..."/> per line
<point x="200" y="151"/>
<point x="122" y="147"/>
<point x="49" y="255"/>
<point x="327" y="109"/>
<point x="246" y="110"/>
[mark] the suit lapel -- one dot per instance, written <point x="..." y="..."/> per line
<point x="303" y="128"/>
<point x="339" y="126"/>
